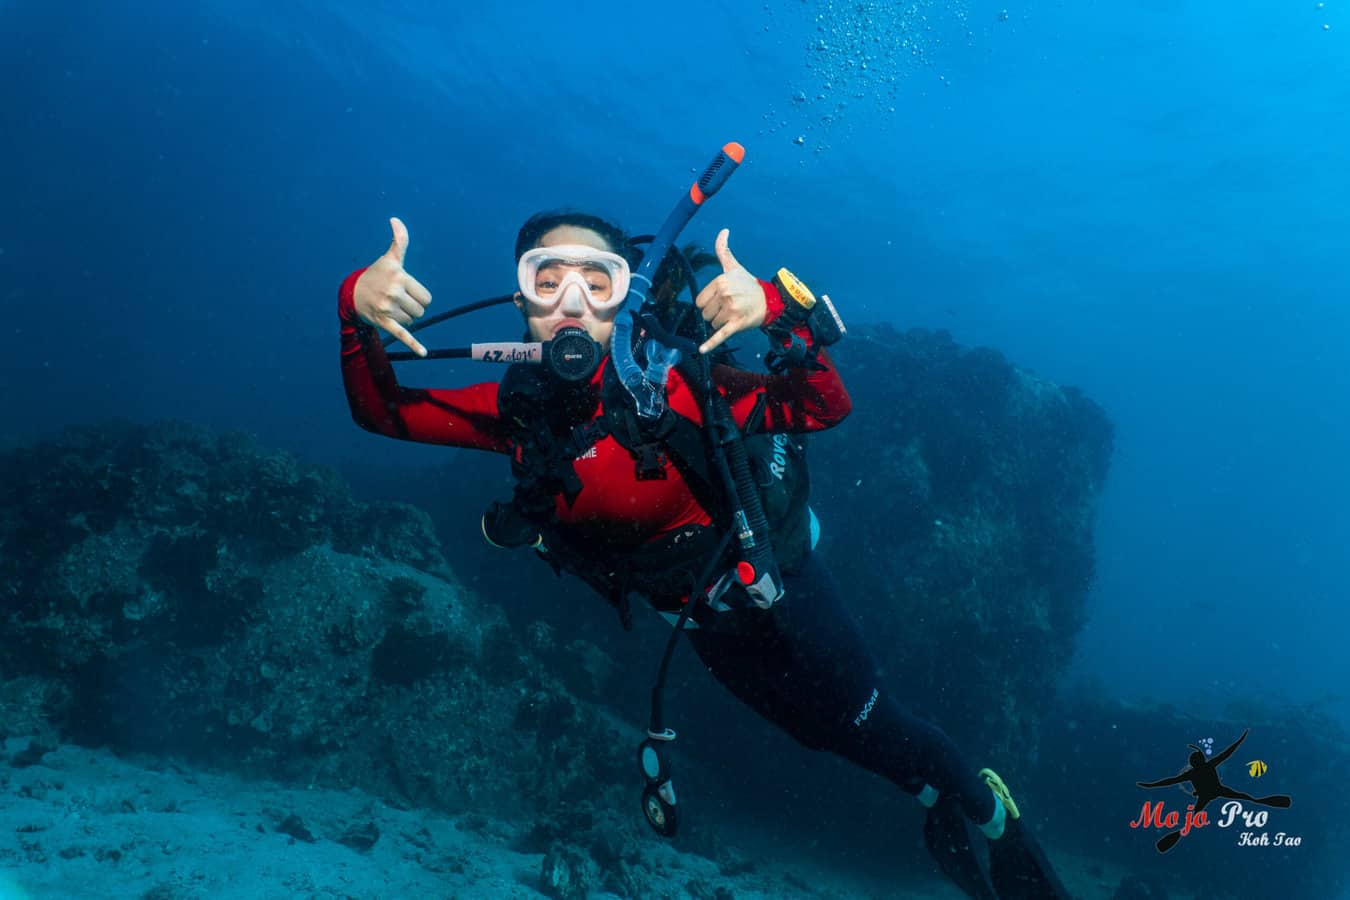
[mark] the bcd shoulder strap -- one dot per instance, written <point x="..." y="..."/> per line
<point x="543" y="464"/>
<point x="672" y="437"/>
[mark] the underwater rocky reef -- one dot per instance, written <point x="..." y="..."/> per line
<point x="960" y="498"/>
<point x="172" y="590"/>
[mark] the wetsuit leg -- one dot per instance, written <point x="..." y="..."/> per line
<point x="804" y="666"/>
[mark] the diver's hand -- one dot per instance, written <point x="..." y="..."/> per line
<point x="387" y="296"/>
<point x="733" y="301"/>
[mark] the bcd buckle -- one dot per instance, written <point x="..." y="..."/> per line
<point x="651" y="462"/>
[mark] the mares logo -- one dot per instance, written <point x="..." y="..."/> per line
<point x="867" y="710"/>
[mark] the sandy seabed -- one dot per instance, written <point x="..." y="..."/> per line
<point x="80" y="823"/>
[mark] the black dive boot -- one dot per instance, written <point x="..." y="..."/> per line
<point x="959" y="848"/>
<point x="1017" y="865"/>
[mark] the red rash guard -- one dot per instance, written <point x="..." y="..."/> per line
<point x="798" y="401"/>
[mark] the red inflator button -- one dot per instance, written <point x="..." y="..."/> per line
<point x="745" y="572"/>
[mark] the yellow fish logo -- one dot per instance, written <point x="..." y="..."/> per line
<point x="1256" y="768"/>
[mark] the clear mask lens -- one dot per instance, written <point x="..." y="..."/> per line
<point x="569" y="276"/>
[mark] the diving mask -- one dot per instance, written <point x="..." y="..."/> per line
<point x="564" y="276"/>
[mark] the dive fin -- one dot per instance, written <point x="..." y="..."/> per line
<point x="960" y="854"/>
<point x="1019" y="868"/>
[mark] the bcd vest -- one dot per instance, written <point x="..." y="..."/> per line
<point x="550" y="429"/>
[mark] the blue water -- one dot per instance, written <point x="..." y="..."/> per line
<point x="1147" y="200"/>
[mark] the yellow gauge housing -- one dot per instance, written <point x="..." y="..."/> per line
<point x="792" y="286"/>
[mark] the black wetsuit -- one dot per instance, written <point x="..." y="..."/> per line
<point x="803" y="665"/>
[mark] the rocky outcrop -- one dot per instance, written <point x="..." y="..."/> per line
<point x="959" y="499"/>
<point x="173" y="590"/>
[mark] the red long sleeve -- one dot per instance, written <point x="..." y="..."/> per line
<point x="459" y="417"/>
<point x="802" y="399"/>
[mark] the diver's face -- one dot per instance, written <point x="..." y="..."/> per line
<point x="572" y="309"/>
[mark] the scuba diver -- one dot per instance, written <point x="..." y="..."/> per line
<point x="1203" y="776"/>
<point x="628" y="446"/>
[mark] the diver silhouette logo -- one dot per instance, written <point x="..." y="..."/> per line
<point x="1202" y="773"/>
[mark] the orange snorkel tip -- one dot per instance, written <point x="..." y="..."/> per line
<point x="717" y="172"/>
